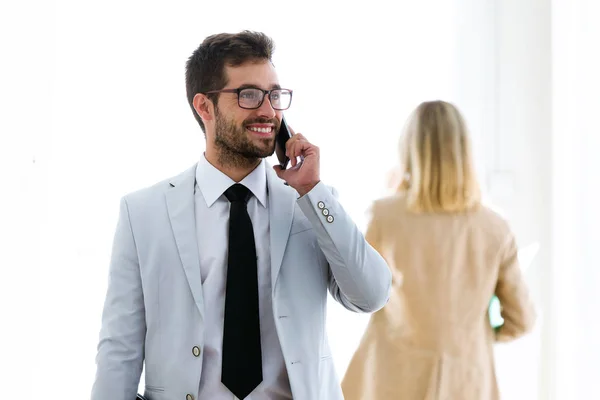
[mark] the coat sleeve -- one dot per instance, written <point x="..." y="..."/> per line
<point x="517" y="309"/>
<point x="359" y="278"/>
<point x="120" y="353"/>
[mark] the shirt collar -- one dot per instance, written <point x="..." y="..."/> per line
<point x="213" y="183"/>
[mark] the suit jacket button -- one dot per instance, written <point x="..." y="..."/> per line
<point x="321" y="205"/>
<point x="189" y="397"/>
<point x="325" y="212"/>
<point x="330" y="218"/>
<point x="196" y="351"/>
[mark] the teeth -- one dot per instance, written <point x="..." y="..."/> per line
<point x="261" y="130"/>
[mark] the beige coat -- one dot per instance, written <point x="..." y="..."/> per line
<point x="433" y="340"/>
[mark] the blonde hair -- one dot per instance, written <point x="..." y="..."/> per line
<point x="436" y="166"/>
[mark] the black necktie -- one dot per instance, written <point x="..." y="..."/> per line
<point x="242" y="364"/>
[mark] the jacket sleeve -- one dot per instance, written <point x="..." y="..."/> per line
<point x="359" y="278"/>
<point x="517" y="309"/>
<point x="121" y="346"/>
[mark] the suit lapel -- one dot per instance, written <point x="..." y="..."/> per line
<point x="282" y="200"/>
<point x="180" y="204"/>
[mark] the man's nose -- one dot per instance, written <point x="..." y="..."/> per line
<point x="266" y="109"/>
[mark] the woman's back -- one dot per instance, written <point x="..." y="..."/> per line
<point x="446" y="267"/>
<point x="433" y="339"/>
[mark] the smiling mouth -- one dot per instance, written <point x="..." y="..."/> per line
<point x="261" y="130"/>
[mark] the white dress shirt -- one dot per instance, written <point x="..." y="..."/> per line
<point x="212" y="221"/>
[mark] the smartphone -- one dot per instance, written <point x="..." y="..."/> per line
<point x="281" y="139"/>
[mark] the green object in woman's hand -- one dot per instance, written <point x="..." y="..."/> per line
<point x="496" y="320"/>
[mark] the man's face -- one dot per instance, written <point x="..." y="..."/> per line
<point x="247" y="133"/>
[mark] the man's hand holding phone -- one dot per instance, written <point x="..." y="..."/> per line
<point x="303" y="175"/>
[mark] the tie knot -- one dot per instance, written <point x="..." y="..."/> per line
<point x="238" y="193"/>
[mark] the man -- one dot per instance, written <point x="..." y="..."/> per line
<point x="219" y="276"/>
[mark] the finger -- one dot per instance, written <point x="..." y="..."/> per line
<point x="295" y="137"/>
<point x="291" y="150"/>
<point x="294" y="153"/>
<point x="288" y="145"/>
<point x="300" y="138"/>
<point x="296" y="146"/>
<point x="279" y="171"/>
<point x="302" y="146"/>
<point x="296" y="150"/>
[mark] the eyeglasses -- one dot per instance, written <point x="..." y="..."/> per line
<point x="252" y="98"/>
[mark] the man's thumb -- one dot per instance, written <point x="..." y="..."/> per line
<point x="278" y="170"/>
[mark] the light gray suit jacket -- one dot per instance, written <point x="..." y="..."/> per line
<point x="154" y="309"/>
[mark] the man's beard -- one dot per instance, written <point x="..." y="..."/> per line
<point x="235" y="148"/>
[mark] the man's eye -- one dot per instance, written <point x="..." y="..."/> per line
<point x="249" y="95"/>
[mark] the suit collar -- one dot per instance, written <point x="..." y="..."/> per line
<point x="282" y="200"/>
<point x="213" y="183"/>
<point x="180" y="205"/>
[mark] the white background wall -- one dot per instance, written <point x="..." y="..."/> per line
<point x="522" y="166"/>
<point x="101" y="109"/>
<point x="576" y="214"/>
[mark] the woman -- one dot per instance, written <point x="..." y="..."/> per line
<point x="449" y="255"/>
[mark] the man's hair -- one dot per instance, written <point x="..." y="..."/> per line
<point x="205" y="69"/>
<point x="437" y="168"/>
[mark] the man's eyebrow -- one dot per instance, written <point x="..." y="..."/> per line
<point x="255" y="86"/>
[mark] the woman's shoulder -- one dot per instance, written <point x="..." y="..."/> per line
<point x="493" y="223"/>
<point x="395" y="203"/>
<point x="494" y="215"/>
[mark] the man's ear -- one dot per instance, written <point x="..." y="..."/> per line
<point x="203" y="106"/>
